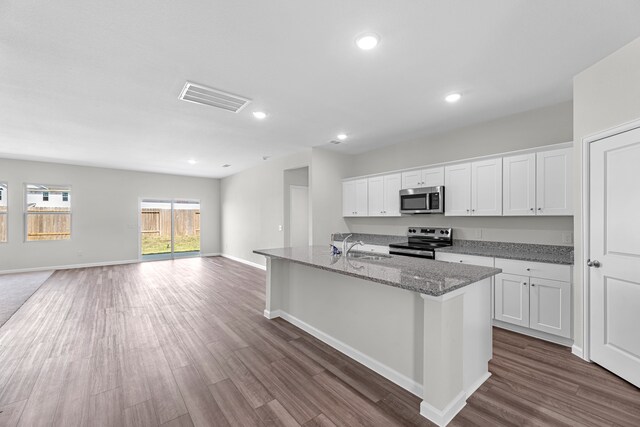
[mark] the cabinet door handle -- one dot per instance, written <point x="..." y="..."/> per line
<point x="531" y="209"/>
<point x="533" y="284"/>
<point x="528" y="269"/>
<point x="539" y="209"/>
<point x="524" y="283"/>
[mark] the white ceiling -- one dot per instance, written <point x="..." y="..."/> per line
<point x="97" y="82"/>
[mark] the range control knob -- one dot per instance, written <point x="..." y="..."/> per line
<point x="441" y="231"/>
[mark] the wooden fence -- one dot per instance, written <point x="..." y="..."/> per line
<point x="48" y="224"/>
<point x="158" y="222"/>
<point x="3" y="227"/>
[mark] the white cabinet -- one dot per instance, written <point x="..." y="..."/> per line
<point x="474" y="188"/>
<point x="486" y="188"/>
<point x="534" y="295"/>
<point x="432" y="177"/>
<point x="550" y="306"/>
<point x="511" y="299"/>
<point x="457" y="190"/>
<point x="384" y="195"/>
<point x="465" y="259"/>
<point x="538" y="184"/>
<point x="355" y="197"/>
<point x="519" y="185"/>
<point x="554" y="179"/>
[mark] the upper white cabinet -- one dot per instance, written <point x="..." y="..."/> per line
<point x="384" y="195"/>
<point x="535" y="183"/>
<point x="355" y="198"/>
<point x="554" y="178"/>
<point x="538" y="183"/>
<point x="432" y="177"/>
<point x="457" y="190"/>
<point x="474" y="188"/>
<point x="519" y="185"/>
<point x="486" y="188"/>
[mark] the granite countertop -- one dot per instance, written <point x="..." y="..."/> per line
<point x="425" y="276"/>
<point x="519" y="251"/>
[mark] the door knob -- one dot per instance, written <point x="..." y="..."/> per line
<point x="595" y="263"/>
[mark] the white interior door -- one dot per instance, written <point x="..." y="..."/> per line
<point x="614" y="273"/>
<point x="299" y="216"/>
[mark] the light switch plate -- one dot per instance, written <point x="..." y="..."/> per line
<point x="567" y="237"/>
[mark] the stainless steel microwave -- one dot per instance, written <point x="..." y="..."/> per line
<point x="425" y="200"/>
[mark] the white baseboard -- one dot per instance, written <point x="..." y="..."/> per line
<point x="577" y="351"/>
<point x="476" y="385"/>
<point x="443" y="417"/>
<point x="70" y="266"/>
<point x="244" y="261"/>
<point x="387" y="372"/>
<point x="211" y="254"/>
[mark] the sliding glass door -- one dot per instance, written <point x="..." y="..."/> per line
<point x="169" y="228"/>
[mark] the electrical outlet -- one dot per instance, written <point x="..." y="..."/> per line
<point x="567" y="237"/>
<point x="80" y="253"/>
<point x="479" y="233"/>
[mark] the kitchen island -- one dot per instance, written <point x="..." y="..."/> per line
<point x="423" y="324"/>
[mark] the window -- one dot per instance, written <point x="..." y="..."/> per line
<point x="4" y="223"/>
<point x="48" y="212"/>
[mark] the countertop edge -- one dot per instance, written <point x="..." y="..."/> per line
<point x="382" y="281"/>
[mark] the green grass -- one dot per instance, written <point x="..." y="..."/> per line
<point x="154" y="244"/>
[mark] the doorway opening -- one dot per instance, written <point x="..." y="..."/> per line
<point x="169" y="228"/>
<point x="296" y="208"/>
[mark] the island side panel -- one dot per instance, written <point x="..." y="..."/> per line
<point x="276" y="286"/>
<point x="458" y="347"/>
<point x="377" y="325"/>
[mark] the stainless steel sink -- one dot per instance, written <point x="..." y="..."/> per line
<point x="368" y="256"/>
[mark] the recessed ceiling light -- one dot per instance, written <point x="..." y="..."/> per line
<point x="259" y="115"/>
<point x="226" y="165"/>
<point x="367" y="41"/>
<point x="453" y="97"/>
<point x="342" y="136"/>
<point x="192" y="161"/>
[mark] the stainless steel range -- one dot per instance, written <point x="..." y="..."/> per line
<point x="422" y="242"/>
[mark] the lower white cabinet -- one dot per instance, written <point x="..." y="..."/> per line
<point x="511" y="299"/>
<point x="531" y="295"/>
<point x="550" y="306"/>
<point x="534" y="295"/>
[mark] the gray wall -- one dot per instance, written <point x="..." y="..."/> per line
<point x="104" y="212"/>
<point x="252" y="204"/>
<point x="530" y="129"/>
<point x="328" y="168"/>
<point x="606" y="95"/>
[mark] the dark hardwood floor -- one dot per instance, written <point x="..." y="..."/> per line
<point x="181" y="343"/>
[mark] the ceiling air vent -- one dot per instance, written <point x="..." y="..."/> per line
<point x="213" y="97"/>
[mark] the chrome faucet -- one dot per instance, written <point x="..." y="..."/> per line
<point x="345" y="245"/>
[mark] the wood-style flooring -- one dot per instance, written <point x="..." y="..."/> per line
<point x="182" y="343"/>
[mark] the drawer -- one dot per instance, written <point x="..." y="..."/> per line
<point x="535" y="269"/>
<point x="465" y="259"/>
